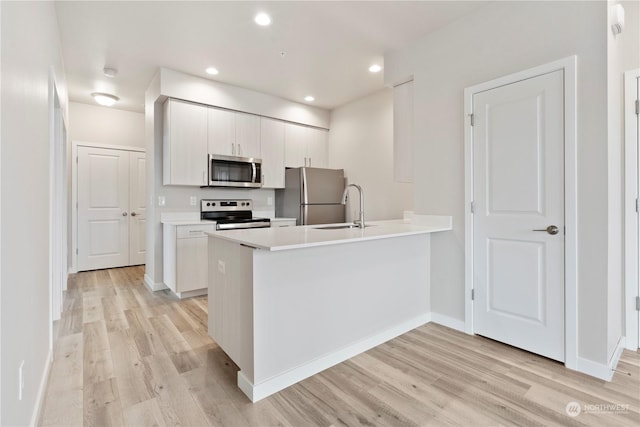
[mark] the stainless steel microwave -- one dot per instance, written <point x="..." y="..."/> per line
<point x="232" y="171"/>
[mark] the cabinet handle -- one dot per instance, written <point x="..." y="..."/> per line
<point x="239" y="150"/>
<point x="196" y="231"/>
<point x="233" y="149"/>
<point x="309" y="161"/>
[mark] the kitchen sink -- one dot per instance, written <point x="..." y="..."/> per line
<point x="340" y="227"/>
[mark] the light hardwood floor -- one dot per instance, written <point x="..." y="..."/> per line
<point x="127" y="356"/>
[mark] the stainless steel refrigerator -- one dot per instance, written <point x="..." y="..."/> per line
<point x="312" y="196"/>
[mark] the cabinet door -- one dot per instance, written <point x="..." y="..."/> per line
<point x="272" y="152"/>
<point x="295" y="149"/>
<point x="192" y="264"/>
<point x="185" y="143"/>
<point x="247" y="135"/>
<point x="403" y="132"/>
<point x="221" y="132"/>
<point x="317" y="148"/>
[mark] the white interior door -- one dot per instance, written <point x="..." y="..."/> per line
<point x="103" y="200"/>
<point x="518" y="190"/>
<point x="137" y="207"/>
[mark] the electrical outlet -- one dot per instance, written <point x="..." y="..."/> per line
<point x="270" y="201"/>
<point x="161" y="200"/>
<point x="193" y="200"/>
<point x="222" y="266"/>
<point x="20" y="380"/>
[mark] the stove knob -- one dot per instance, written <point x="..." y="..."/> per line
<point x="213" y="204"/>
<point x="208" y="204"/>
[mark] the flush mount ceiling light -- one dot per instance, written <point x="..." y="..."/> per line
<point x="110" y="72"/>
<point x="262" y="19"/>
<point x="105" y="99"/>
<point x="212" y="70"/>
<point x="375" y="68"/>
<point x="309" y="98"/>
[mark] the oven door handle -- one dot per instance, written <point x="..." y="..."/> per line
<point x="238" y="226"/>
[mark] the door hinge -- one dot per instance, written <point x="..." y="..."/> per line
<point x="473" y="207"/>
<point x="637" y="107"/>
<point x="637" y="303"/>
<point x="473" y="295"/>
<point x="471" y="118"/>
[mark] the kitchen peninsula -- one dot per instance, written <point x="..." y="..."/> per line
<point x="287" y="303"/>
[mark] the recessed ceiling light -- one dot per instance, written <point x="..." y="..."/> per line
<point x="375" y="68"/>
<point x="211" y="70"/>
<point x="105" y="99"/>
<point x="309" y="98"/>
<point x="262" y="19"/>
<point x="110" y="72"/>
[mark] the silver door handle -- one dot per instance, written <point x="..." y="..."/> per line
<point x="124" y="214"/>
<point x="552" y="229"/>
<point x="133" y="214"/>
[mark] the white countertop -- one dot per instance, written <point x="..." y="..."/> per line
<point x="279" y="239"/>
<point x="188" y="222"/>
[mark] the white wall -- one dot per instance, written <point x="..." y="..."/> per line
<point x="361" y="143"/>
<point x="105" y="125"/>
<point x="623" y="54"/>
<point x="27" y="56"/>
<point x="169" y="83"/>
<point x="499" y="39"/>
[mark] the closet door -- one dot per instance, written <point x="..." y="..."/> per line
<point x="137" y="206"/>
<point x="103" y="208"/>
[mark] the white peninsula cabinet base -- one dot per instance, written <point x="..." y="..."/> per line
<point x="283" y="315"/>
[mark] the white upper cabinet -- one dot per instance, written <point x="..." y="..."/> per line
<point x="295" y="154"/>
<point x="247" y="135"/>
<point x="403" y="132"/>
<point x="233" y="134"/>
<point x="222" y="132"/>
<point x="317" y="147"/>
<point x="185" y="143"/>
<point x="305" y="146"/>
<point x="272" y="152"/>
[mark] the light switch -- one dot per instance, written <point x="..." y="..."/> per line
<point x="193" y="200"/>
<point x="161" y="201"/>
<point x="270" y="201"/>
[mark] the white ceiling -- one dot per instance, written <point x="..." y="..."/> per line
<point x="329" y="44"/>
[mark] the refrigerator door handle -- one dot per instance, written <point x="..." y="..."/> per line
<point x="303" y="186"/>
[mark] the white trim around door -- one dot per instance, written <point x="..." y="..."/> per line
<point x="631" y="196"/>
<point x="569" y="68"/>
<point x="74" y="191"/>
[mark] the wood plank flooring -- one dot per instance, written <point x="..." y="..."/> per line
<point x="127" y="356"/>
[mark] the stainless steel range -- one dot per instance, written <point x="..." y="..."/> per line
<point x="231" y="214"/>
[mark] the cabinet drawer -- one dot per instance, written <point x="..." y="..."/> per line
<point x="187" y="231"/>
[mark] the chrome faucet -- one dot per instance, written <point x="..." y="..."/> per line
<point x="344" y="202"/>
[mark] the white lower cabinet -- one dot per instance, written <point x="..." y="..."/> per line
<point x="185" y="266"/>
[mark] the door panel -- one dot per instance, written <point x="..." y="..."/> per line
<point x="103" y="198"/>
<point x="322" y="214"/>
<point x="322" y="185"/>
<point x="518" y="161"/>
<point x="137" y="206"/>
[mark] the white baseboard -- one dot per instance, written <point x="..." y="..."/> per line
<point x="604" y="371"/>
<point x="153" y="287"/>
<point x="36" y="416"/>
<point x="449" y="322"/>
<point x="189" y="294"/>
<point x="277" y="383"/>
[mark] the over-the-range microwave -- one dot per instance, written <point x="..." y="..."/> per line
<point x="232" y="171"/>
